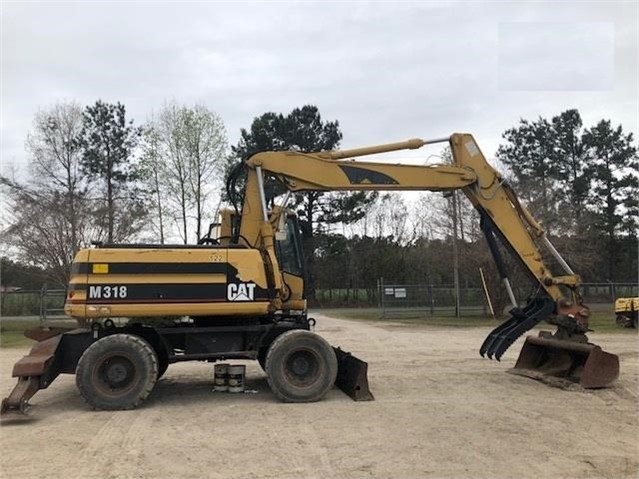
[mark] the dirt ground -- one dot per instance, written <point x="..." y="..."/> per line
<point x="440" y="411"/>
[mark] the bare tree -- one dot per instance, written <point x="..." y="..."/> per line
<point x="175" y="172"/>
<point x="53" y="214"/>
<point x="49" y="216"/>
<point x="151" y="170"/>
<point x="194" y="146"/>
<point x="206" y="145"/>
<point x="55" y="161"/>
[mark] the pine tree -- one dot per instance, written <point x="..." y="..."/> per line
<point x="107" y="141"/>
<point x="612" y="165"/>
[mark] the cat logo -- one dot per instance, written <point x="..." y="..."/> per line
<point x="240" y="291"/>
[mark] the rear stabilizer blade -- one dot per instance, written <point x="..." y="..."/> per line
<point x="352" y="376"/>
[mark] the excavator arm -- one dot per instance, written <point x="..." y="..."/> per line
<point x="502" y="216"/>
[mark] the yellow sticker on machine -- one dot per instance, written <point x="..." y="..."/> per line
<point x="100" y="268"/>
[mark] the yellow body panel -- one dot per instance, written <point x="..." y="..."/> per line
<point x="96" y="311"/>
<point x="295" y="295"/>
<point x="164" y="281"/>
<point x="626" y="305"/>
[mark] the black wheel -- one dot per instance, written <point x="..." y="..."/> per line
<point x="117" y="372"/>
<point x="301" y="366"/>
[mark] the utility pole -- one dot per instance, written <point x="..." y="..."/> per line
<point x="455" y="257"/>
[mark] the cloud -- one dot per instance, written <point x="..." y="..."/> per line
<point x="386" y="71"/>
<point x="544" y="56"/>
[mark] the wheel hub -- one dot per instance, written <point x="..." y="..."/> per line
<point x="116" y="373"/>
<point x="302" y="367"/>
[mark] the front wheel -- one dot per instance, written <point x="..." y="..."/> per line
<point x="117" y="372"/>
<point x="300" y="366"/>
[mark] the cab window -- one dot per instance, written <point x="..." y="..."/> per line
<point x="289" y="251"/>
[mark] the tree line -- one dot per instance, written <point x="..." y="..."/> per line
<point x="96" y="176"/>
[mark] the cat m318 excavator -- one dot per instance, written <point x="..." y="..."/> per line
<point x="240" y="295"/>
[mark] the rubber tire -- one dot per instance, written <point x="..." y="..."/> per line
<point x="140" y="355"/>
<point x="289" y="343"/>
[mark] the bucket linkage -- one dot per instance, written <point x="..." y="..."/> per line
<point x="560" y="359"/>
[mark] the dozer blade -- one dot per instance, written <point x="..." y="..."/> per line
<point x="561" y="363"/>
<point x="352" y="376"/>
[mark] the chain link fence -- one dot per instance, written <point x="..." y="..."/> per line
<point x="45" y="303"/>
<point x="392" y="300"/>
<point x="421" y="300"/>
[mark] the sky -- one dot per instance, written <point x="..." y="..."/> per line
<point x="387" y="71"/>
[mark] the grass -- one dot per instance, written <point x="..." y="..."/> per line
<point x="600" y="320"/>
<point x="12" y="330"/>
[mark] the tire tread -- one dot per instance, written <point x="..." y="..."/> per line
<point x="140" y="346"/>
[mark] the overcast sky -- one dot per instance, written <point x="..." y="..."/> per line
<point x="387" y="71"/>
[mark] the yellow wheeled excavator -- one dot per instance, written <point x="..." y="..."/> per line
<point x="240" y="295"/>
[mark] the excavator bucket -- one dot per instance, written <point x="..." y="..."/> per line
<point x="561" y="363"/>
<point x="352" y="376"/>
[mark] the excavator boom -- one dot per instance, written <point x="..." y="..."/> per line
<point x="503" y="217"/>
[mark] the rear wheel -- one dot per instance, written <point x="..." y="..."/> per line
<point x="117" y="372"/>
<point x="301" y="366"/>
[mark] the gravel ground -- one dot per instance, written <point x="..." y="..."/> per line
<point x="440" y="411"/>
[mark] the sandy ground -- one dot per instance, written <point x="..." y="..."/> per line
<point x="440" y="411"/>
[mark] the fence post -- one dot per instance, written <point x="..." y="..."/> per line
<point x="43" y="303"/>
<point x="431" y="299"/>
<point x="382" y="298"/>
